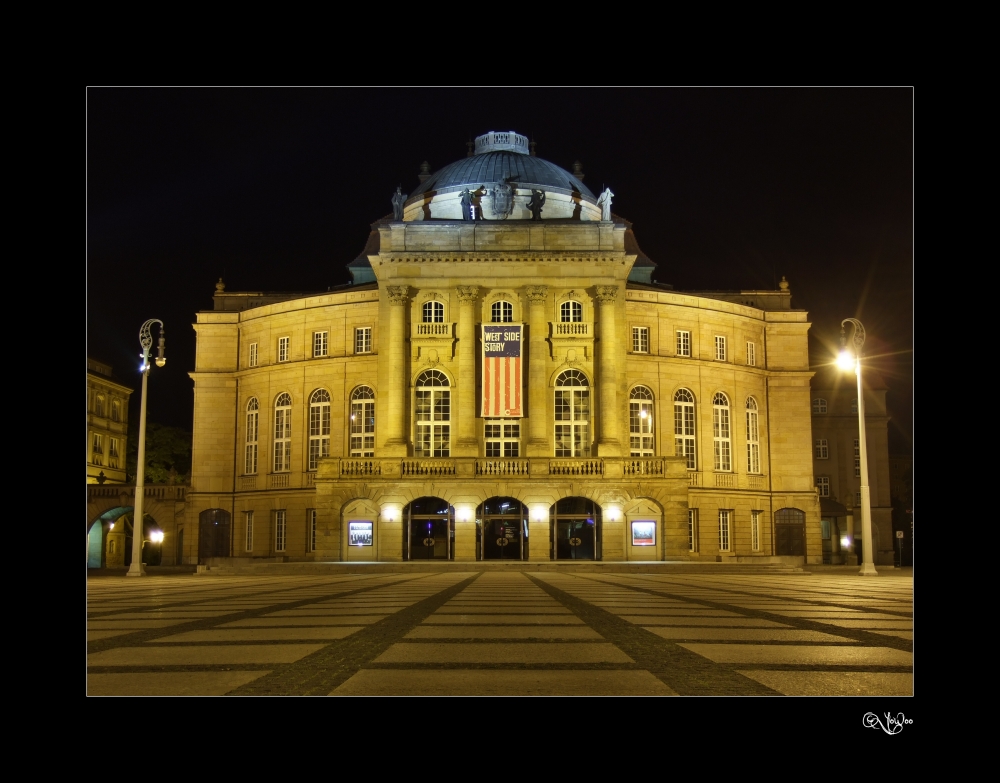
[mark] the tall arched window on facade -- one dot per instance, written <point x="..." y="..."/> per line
<point x="432" y="435"/>
<point x="283" y="433"/>
<point x="250" y="452"/>
<point x="502" y="312"/>
<point x="116" y="410"/>
<point x="572" y="415"/>
<point x="640" y="422"/>
<point x="684" y="432"/>
<point x="433" y="313"/>
<point x="721" y="432"/>
<point x="753" y="437"/>
<point x="319" y="427"/>
<point x="99" y="405"/>
<point x="363" y="422"/>
<point x="570" y="312"/>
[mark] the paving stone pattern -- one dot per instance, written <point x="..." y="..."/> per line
<point x="497" y="633"/>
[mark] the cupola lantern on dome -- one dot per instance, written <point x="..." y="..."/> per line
<point x="496" y="141"/>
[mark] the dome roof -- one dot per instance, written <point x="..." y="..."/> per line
<point x="496" y="166"/>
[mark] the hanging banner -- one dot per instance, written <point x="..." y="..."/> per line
<point x="502" y="370"/>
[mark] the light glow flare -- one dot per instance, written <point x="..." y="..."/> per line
<point x="845" y="360"/>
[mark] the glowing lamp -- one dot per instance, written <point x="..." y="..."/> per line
<point x="845" y="361"/>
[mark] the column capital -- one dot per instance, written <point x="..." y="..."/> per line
<point x="536" y="293"/>
<point x="467" y="293"/>
<point x="607" y="294"/>
<point x="398" y="294"/>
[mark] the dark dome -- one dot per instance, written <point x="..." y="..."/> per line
<point x="495" y="166"/>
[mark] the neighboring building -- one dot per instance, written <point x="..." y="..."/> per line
<point x="493" y="386"/>
<point x="837" y="463"/>
<point x="107" y="425"/>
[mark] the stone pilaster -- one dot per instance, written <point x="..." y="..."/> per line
<point x="396" y="387"/>
<point x="538" y="440"/>
<point x="608" y="444"/>
<point x="467" y="444"/>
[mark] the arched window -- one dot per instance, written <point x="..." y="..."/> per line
<point x="432" y="435"/>
<point x="319" y="427"/>
<point x="250" y="452"/>
<point x="433" y="313"/>
<point x="684" y="433"/>
<point x="116" y="410"/>
<point x="720" y="432"/>
<point x="753" y="437"/>
<point x="99" y="405"/>
<point x="570" y="312"/>
<point x="819" y="405"/>
<point x="502" y="312"/>
<point x="363" y="422"/>
<point x="572" y="415"/>
<point x="640" y="422"/>
<point x="283" y="433"/>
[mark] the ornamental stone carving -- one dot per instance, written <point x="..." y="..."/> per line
<point x="607" y="294"/>
<point x="398" y="294"/>
<point x="468" y="293"/>
<point x="536" y="293"/>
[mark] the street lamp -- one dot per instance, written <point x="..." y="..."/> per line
<point x="146" y="341"/>
<point x="848" y="361"/>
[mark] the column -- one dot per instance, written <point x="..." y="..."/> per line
<point x="608" y="444"/>
<point x="467" y="445"/>
<point x="538" y="440"/>
<point x="396" y="387"/>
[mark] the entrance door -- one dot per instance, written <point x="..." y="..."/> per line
<point x="213" y="534"/>
<point x="790" y="532"/>
<point x="502" y="524"/>
<point x="430" y="529"/>
<point x="576" y="529"/>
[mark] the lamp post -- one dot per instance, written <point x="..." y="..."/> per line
<point x="849" y="361"/>
<point x="146" y="341"/>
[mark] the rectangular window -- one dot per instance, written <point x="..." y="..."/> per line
<point x="822" y="448"/>
<point x="683" y="343"/>
<point x="363" y="340"/>
<point x="720" y="348"/>
<point x="692" y="530"/>
<point x="279" y="531"/>
<point x="253" y="354"/>
<point x="724" y="520"/>
<point x="311" y="531"/>
<point x="857" y="498"/>
<point x="363" y="425"/>
<point x="640" y="339"/>
<point x="755" y="530"/>
<point x="249" y="540"/>
<point x="819" y="405"/>
<point x="823" y="482"/>
<point x="113" y="453"/>
<point x="503" y="438"/>
<point x="97" y="449"/>
<point x="751" y="355"/>
<point x="283" y="348"/>
<point x="320" y="344"/>
<point x="857" y="457"/>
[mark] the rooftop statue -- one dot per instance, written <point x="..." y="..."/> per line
<point x="466" y="205"/>
<point x="604" y="202"/>
<point x="535" y="205"/>
<point x="398" y="199"/>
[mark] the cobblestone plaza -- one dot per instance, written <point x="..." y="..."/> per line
<point x="463" y="630"/>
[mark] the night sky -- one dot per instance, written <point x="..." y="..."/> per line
<point x="275" y="190"/>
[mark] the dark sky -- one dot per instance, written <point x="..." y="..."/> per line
<point x="274" y="189"/>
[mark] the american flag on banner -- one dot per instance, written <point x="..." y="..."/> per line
<point x="502" y="370"/>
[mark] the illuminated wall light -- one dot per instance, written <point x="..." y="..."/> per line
<point x="539" y="513"/>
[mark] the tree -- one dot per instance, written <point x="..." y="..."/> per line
<point x="168" y="455"/>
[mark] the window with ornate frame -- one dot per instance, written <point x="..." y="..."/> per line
<point x="684" y="428"/>
<point x="99" y="405"/>
<point x="721" y="437"/>
<point x="283" y="433"/>
<point x="433" y="313"/>
<point x="640" y="422"/>
<point x="116" y="410"/>
<point x="822" y="448"/>
<point x="640" y="339"/>
<point x="97" y="450"/>
<point x="572" y="415"/>
<point x="250" y="451"/>
<point x="502" y="312"/>
<point x="319" y="427"/>
<point x="570" y="312"/>
<point x="321" y="344"/>
<point x="113" y="452"/>
<point x="432" y="409"/>
<point x="362" y="422"/>
<point x="753" y="436"/>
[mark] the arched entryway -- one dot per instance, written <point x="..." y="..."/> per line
<point x="109" y="540"/>
<point x="429" y="529"/>
<point x="213" y="533"/>
<point x="790" y="532"/>
<point x="502" y="530"/>
<point x="575" y="529"/>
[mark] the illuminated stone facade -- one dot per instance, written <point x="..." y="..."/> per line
<point x="107" y="425"/>
<point x="640" y="403"/>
